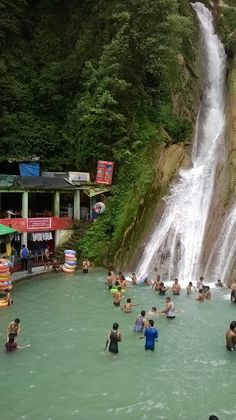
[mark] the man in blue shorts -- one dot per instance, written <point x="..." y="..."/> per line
<point x="151" y="335"/>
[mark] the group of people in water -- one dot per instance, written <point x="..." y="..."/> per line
<point x="144" y="323"/>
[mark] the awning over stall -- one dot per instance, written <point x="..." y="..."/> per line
<point x="93" y="191"/>
<point x="5" y="230"/>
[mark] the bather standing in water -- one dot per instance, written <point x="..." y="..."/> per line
<point x="134" y="279"/>
<point x="151" y="335"/>
<point x="109" y="280"/>
<point x="156" y="283"/>
<point x="113" y="338"/>
<point x="233" y="292"/>
<point x="140" y="322"/>
<point x="169" y="309"/>
<point x="176" y="288"/>
<point x="201" y="296"/>
<point x="207" y="293"/>
<point x="231" y="337"/>
<point x="163" y="289"/>
<point x="117" y="298"/>
<point x="190" y="288"/>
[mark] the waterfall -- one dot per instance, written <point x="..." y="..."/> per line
<point x="222" y="259"/>
<point x="175" y="246"/>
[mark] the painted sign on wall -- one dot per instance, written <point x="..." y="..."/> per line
<point x="104" y="172"/>
<point x="39" y="223"/>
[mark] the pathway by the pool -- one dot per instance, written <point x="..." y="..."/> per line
<point x="24" y="274"/>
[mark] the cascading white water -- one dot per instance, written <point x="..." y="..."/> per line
<point x="175" y="247"/>
<point x="222" y="258"/>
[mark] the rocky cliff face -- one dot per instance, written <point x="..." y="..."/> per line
<point x="168" y="159"/>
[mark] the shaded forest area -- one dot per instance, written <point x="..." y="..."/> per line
<point x="82" y="80"/>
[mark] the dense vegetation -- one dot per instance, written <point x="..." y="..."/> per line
<point x="83" y="80"/>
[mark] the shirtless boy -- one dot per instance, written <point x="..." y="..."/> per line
<point x="128" y="306"/>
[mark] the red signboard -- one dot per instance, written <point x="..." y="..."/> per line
<point x="39" y="223"/>
<point x="29" y="225"/>
<point x="104" y="172"/>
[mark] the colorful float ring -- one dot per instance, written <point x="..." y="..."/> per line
<point x="5" y="275"/>
<point x="72" y="263"/>
<point x="67" y="270"/>
<point x="115" y="290"/>
<point x="70" y="267"/>
<point x="3" y="303"/>
<point x="70" y="257"/>
<point x="4" y="269"/>
<point x="70" y="251"/>
<point x="99" y="207"/>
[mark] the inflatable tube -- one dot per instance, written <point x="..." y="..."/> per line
<point x="70" y="267"/>
<point x="70" y="257"/>
<point x="70" y="251"/>
<point x="3" y="303"/>
<point x="68" y="270"/>
<point x="5" y="275"/>
<point x="99" y="208"/>
<point x="115" y="290"/>
<point x="72" y="263"/>
<point x="4" y="270"/>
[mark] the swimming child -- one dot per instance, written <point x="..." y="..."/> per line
<point x="128" y="306"/>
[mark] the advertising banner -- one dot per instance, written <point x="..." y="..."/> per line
<point x="104" y="172"/>
<point x="39" y="223"/>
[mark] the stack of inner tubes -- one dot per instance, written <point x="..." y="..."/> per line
<point x="5" y="276"/>
<point x="70" y="263"/>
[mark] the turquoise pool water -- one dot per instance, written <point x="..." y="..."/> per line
<point x="67" y="375"/>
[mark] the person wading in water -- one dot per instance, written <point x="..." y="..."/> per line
<point x="113" y="338"/>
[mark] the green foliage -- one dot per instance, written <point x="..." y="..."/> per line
<point x="86" y="80"/>
<point x="103" y="240"/>
<point x="178" y="128"/>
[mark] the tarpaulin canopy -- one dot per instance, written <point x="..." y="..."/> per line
<point x="29" y="168"/>
<point x="5" y="230"/>
<point x="93" y="191"/>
